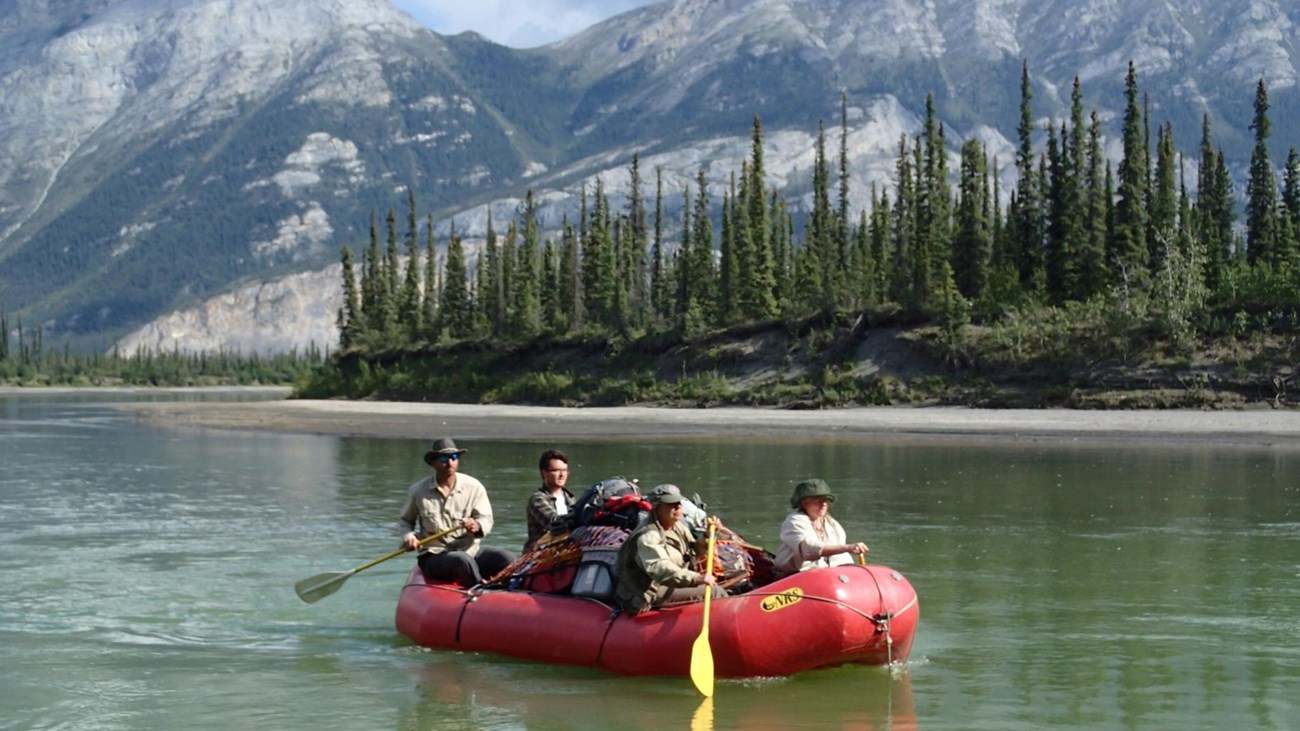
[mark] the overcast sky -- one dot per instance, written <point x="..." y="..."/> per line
<point x="516" y="23"/>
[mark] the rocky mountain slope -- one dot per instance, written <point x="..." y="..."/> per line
<point x="155" y="154"/>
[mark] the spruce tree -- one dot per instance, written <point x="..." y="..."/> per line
<point x="391" y="278"/>
<point x="635" y="251"/>
<point x="1261" y="189"/>
<point x="1289" y="220"/>
<point x="408" y="307"/>
<point x="1164" y="200"/>
<point x="660" y="286"/>
<point x="759" y="289"/>
<point x="1025" y="237"/>
<point x="900" y="286"/>
<point x="821" y="289"/>
<point x="550" y="294"/>
<point x="429" y="318"/>
<point x="492" y="297"/>
<point x="454" y="310"/>
<point x="728" y="266"/>
<point x="525" y="298"/>
<point x="1091" y="256"/>
<point x="1131" y="220"/>
<point x="971" y="243"/>
<point x="570" y="279"/>
<point x="349" y="321"/>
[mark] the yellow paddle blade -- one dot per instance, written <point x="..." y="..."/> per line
<point x="702" y="664"/>
<point x="701" y="651"/>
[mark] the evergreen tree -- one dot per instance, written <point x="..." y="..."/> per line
<point x="525" y="299"/>
<point x="728" y="268"/>
<point x="1091" y="255"/>
<point x="349" y="320"/>
<point x="408" y="307"/>
<point x="842" y="206"/>
<point x="570" y="279"/>
<point x="900" y="286"/>
<point x="454" y="310"/>
<point x="1074" y="226"/>
<point x="881" y="238"/>
<point x="1288" y="246"/>
<point x="635" y="251"/>
<point x="1164" y="200"/>
<point x="660" y="286"/>
<point x="492" y="296"/>
<point x="375" y="300"/>
<point x="972" y="248"/>
<point x="598" y="277"/>
<point x="822" y="278"/>
<point x="1055" y="255"/>
<point x="1026" y="237"/>
<point x="1261" y="189"/>
<point x="550" y="294"/>
<point x="1130" y="246"/>
<point x="937" y="218"/>
<point x="781" y="236"/>
<point x="429" y="317"/>
<point x="758" y="283"/>
<point x="702" y="291"/>
<point x="390" y="267"/>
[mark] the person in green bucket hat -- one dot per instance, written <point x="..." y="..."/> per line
<point x="810" y="537"/>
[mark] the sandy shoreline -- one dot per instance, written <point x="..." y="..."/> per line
<point x="1263" y="428"/>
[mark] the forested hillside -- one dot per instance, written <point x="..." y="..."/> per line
<point x="1089" y="267"/>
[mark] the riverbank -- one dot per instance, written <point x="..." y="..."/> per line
<point x="1271" y="428"/>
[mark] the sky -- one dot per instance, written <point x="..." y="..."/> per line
<point x="515" y="23"/>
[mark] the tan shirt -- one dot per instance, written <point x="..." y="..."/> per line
<point x="651" y="556"/>
<point x="427" y="512"/>
<point x="801" y="545"/>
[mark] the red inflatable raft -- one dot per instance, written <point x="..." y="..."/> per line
<point x="819" y="618"/>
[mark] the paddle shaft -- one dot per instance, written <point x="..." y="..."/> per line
<point x="315" y="588"/>
<point x="423" y="542"/>
<point x="701" y="651"/>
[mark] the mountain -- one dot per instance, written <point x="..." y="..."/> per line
<point x="156" y="151"/>
<point x="157" y="154"/>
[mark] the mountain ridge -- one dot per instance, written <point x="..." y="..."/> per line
<point x="253" y="153"/>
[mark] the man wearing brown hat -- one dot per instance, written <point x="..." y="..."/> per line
<point x="451" y="499"/>
<point x="654" y="562"/>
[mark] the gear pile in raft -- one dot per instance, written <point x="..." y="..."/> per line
<point x="555" y="604"/>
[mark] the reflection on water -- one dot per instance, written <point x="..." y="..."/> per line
<point x="498" y="694"/>
<point x="149" y="577"/>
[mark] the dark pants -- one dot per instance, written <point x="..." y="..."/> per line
<point x="463" y="568"/>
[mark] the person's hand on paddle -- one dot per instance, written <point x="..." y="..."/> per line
<point x="857" y="549"/>
<point x="708" y="579"/>
<point x="410" y="541"/>
<point x="470" y="525"/>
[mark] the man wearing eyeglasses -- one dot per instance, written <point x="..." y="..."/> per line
<point x="451" y="499"/>
<point x="550" y="501"/>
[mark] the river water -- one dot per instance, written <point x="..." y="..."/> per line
<point x="149" y="571"/>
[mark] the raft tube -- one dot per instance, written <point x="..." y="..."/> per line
<point x="818" y="618"/>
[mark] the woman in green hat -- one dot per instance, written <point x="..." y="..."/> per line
<point x="810" y="537"/>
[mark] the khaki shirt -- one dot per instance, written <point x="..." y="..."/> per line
<point x="427" y="512"/>
<point x="801" y="545"/>
<point x="652" y="556"/>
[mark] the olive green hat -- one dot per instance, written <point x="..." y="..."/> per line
<point x="669" y="494"/>
<point x="811" y="488"/>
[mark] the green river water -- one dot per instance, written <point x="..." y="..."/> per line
<point x="149" y="571"/>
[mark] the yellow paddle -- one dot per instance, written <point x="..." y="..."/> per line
<point x="701" y="652"/>
<point x="314" y="588"/>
